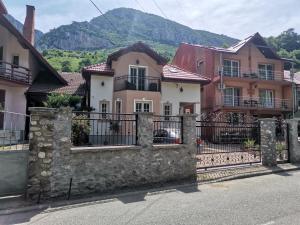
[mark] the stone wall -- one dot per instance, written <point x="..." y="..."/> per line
<point x="294" y="144"/>
<point x="52" y="161"/>
<point x="268" y="143"/>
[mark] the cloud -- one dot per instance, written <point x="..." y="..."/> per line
<point x="236" y="18"/>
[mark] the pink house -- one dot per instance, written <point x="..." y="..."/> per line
<point x="247" y="78"/>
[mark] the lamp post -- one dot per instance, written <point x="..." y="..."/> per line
<point x="292" y="72"/>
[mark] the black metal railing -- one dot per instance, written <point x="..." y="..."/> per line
<point x="167" y="130"/>
<point x="16" y="73"/>
<point x="137" y="83"/>
<point x="226" y="143"/>
<point x="103" y="129"/>
<point x="12" y="131"/>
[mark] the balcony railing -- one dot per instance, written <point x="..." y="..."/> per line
<point x="12" y="72"/>
<point x="254" y="103"/>
<point x="137" y="83"/>
<point x="254" y="74"/>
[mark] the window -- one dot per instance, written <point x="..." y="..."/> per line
<point x="104" y="109"/>
<point x="167" y="107"/>
<point x="137" y="77"/>
<point x="15" y="60"/>
<point x="1" y="55"/>
<point x="266" y="71"/>
<point x="118" y="106"/>
<point x="231" y="68"/>
<point x="232" y="96"/>
<point x="143" y="106"/>
<point x="200" y="67"/>
<point x="266" y="98"/>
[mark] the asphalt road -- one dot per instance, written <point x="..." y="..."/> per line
<point x="265" y="200"/>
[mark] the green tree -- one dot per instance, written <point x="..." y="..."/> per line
<point x="84" y="62"/>
<point x="66" y="66"/>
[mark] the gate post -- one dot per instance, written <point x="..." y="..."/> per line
<point x="294" y="145"/>
<point x="268" y="142"/>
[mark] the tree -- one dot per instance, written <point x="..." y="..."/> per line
<point x="83" y="63"/>
<point x="66" y="66"/>
<point x="289" y="40"/>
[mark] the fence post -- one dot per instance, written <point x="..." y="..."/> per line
<point x="294" y="145"/>
<point x="268" y="141"/>
<point x="145" y="129"/>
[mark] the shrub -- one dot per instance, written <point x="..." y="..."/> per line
<point x="250" y="144"/>
<point x="80" y="130"/>
<point x="55" y="100"/>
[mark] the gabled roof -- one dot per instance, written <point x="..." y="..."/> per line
<point x="3" y="9"/>
<point x="258" y="41"/>
<point x="137" y="47"/>
<point x="75" y="86"/>
<point x="4" y="22"/>
<point x="101" y="68"/>
<point x="173" y="73"/>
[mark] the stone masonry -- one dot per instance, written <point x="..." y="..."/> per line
<point x="268" y="149"/>
<point x="294" y="145"/>
<point x="101" y="169"/>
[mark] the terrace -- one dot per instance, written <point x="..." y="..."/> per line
<point x="15" y="73"/>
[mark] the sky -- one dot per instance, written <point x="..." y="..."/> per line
<point x="235" y="18"/>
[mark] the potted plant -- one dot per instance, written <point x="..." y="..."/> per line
<point x="249" y="145"/>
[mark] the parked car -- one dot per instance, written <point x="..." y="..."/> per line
<point x="167" y="136"/>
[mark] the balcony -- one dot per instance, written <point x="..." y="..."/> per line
<point x="137" y="83"/>
<point x="15" y="73"/>
<point x="240" y="102"/>
<point x="262" y="75"/>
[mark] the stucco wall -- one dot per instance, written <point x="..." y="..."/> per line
<point x="99" y="92"/>
<point x="121" y="67"/>
<point x="171" y="94"/>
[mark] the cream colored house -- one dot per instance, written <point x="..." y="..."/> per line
<point x="137" y="79"/>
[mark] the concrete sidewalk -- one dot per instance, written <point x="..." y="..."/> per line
<point x="16" y="204"/>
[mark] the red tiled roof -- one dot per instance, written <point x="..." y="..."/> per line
<point x="75" y="86"/>
<point x="102" y="68"/>
<point x="174" y="73"/>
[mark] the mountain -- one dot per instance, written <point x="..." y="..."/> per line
<point x="19" y="26"/>
<point x="123" y="26"/>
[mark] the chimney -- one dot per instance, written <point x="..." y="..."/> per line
<point x="28" y="29"/>
<point x="2" y="8"/>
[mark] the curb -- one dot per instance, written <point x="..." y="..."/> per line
<point x="67" y="204"/>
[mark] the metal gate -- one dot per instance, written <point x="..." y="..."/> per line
<point x="227" y="139"/>
<point x="282" y="141"/>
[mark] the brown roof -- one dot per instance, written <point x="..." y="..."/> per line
<point x="102" y="68"/>
<point x="3" y="9"/>
<point x="75" y="86"/>
<point x="137" y="47"/>
<point x="261" y="44"/>
<point x="32" y="49"/>
<point x="174" y="73"/>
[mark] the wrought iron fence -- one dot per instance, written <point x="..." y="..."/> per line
<point x="100" y="129"/>
<point x="167" y="130"/>
<point x="282" y="141"/>
<point x="12" y="131"/>
<point x="227" y="140"/>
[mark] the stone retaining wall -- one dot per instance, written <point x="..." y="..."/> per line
<point x="52" y="161"/>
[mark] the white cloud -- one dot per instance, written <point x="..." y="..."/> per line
<point x="237" y="18"/>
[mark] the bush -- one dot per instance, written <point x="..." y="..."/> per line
<point x="80" y="130"/>
<point x="55" y="100"/>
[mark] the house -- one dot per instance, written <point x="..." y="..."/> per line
<point x="24" y="71"/>
<point x="137" y="79"/>
<point x="247" y="78"/>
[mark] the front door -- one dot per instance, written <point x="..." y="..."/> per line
<point x="2" y="107"/>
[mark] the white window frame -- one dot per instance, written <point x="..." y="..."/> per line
<point x="265" y="70"/>
<point x="136" y="81"/>
<point x="150" y="102"/>
<point x="103" y="114"/>
<point x="121" y="105"/>
<point x="267" y="102"/>
<point x="164" y="109"/>
<point x="231" y="67"/>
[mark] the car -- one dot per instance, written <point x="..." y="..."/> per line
<point x="167" y="136"/>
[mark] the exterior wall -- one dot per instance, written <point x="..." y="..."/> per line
<point x="52" y="162"/>
<point x="128" y="98"/>
<point x="13" y="47"/>
<point x="171" y="94"/>
<point x="121" y="67"/>
<point x="100" y="93"/>
<point x="13" y="176"/>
